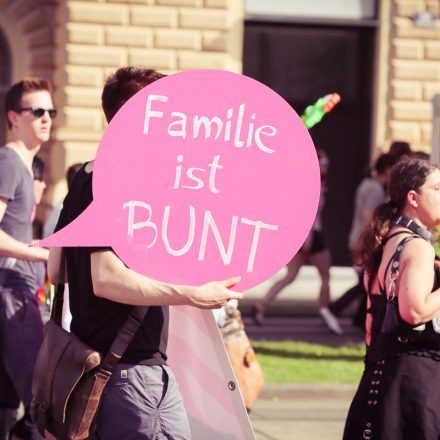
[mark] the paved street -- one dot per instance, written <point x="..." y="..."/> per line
<point x="304" y="327"/>
<point x="302" y="412"/>
<point x="294" y="411"/>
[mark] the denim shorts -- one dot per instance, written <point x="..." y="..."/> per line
<point x="142" y="402"/>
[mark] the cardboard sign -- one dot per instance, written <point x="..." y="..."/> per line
<point x="206" y="380"/>
<point x="201" y="176"/>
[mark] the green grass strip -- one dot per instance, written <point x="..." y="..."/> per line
<point x="301" y="362"/>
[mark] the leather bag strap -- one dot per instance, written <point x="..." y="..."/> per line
<point x="124" y="337"/>
<point x="58" y="299"/>
<point x="125" y="334"/>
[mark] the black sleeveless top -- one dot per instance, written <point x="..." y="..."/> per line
<point x="405" y="338"/>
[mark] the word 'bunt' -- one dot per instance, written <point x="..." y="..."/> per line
<point x="208" y="224"/>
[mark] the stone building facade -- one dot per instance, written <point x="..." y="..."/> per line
<point x="76" y="44"/>
<point x="408" y="74"/>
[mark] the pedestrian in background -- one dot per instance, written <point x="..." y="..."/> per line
<point x="371" y="192"/>
<point x="29" y="112"/>
<point x="314" y="251"/>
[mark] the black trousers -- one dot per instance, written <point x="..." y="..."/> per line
<point x="21" y="334"/>
<point x="353" y="294"/>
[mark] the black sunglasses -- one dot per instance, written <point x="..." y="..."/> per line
<point x="38" y="112"/>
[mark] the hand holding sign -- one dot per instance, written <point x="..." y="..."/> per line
<point x="214" y="294"/>
<point x="202" y="175"/>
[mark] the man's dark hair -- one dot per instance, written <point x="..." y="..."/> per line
<point x="122" y="85"/>
<point x="38" y="168"/>
<point x="399" y="149"/>
<point x="383" y="162"/>
<point x="421" y="155"/>
<point x="16" y="92"/>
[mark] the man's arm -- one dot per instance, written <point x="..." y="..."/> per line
<point x="116" y="282"/>
<point x="10" y="247"/>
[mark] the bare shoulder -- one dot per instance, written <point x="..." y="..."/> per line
<point x="418" y="248"/>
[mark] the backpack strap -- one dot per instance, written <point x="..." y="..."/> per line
<point x="58" y="299"/>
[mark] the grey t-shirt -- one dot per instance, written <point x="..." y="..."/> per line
<point x="369" y="195"/>
<point x="17" y="185"/>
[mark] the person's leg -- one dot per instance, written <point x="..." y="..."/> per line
<point x="172" y="414"/>
<point x="24" y="428"/>
<point x="361" y="312"/>
<point x="9" y="401"/>
<point x="8" y="417"/>
<point x="322" y="261"/>
<point x="293" y="268"/>
<point x="21" y="337"/>
<point x="136" y="402"/>
<point x="352" y="294"/>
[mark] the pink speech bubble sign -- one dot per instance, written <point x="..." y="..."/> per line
<point x="201" y="176"/>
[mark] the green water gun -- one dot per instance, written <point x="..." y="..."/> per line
<point x="315" y="112"/>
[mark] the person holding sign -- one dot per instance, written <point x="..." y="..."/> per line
<point x="142" y="399"/>
<point x="398" y="395"/>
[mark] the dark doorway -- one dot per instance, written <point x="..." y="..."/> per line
<point x="5" y="82"/>
<point x="303" y="63"/>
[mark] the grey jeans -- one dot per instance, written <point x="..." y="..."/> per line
<point x="142" y="402"/>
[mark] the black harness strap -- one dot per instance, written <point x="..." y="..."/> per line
<point x="394" y="262"/>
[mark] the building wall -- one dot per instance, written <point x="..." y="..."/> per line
<point x="29" y="28"/>
<point x="94" y="38"/>
<point x="408" y="74"/>
<point x="77" y="44"/>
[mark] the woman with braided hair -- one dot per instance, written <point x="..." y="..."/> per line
<point x="399" y="393"/>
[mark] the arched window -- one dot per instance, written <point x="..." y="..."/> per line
<point x="5" y="82"/>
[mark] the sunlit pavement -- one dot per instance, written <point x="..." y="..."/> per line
<point x="302" y="412"/>
<point x="292" y="411"/>
<point x="305" y="328"/>
<point x="304" y="290"/>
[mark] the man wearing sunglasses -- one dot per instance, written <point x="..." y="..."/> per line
<point x="29" y="112"/>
